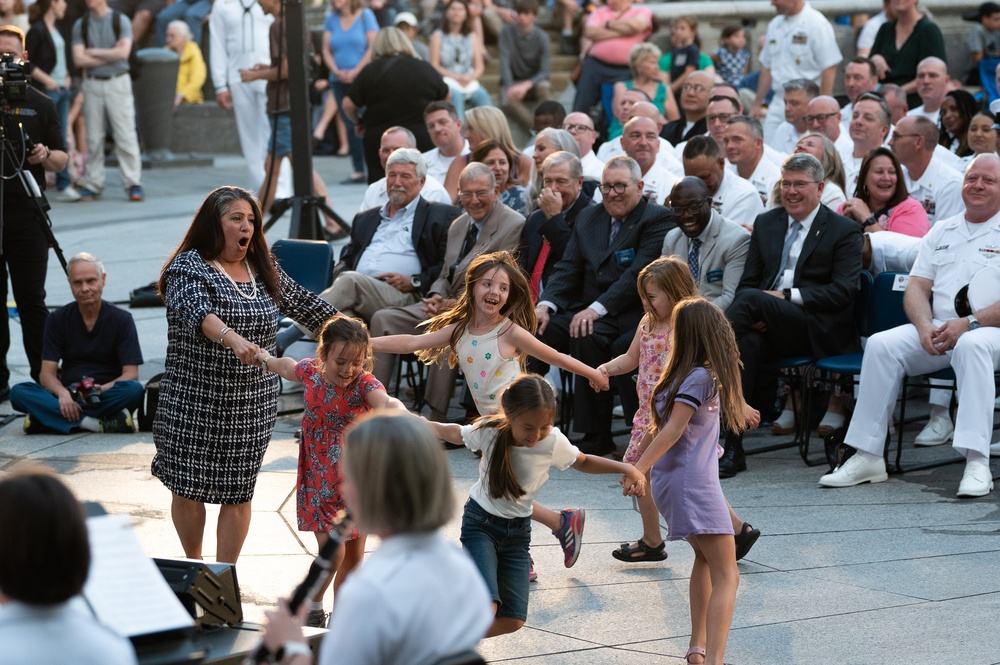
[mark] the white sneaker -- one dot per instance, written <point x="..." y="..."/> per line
<point x="938" y="430"/>
<point x="854" y="471"/>
<point x="68" y="195"/>
<point x="976" y="481"/>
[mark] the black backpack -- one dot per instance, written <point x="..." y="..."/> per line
<point x="116" y="25"/>
<point x="147" y="407"/>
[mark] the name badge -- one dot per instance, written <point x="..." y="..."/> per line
<point x="625" y="257"/>
<point x="714" y="276"/>
<point x="800" y="38"/>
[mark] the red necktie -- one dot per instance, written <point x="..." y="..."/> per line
<point x="536" y="272"/>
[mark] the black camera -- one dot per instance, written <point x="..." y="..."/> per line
<point x="86" y="391"/>
<point x="13" y="79"/>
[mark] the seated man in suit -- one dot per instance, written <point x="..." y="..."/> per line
<point x="796" y="296"/>
<point x="591" y="305"/>
<point x="546" y="231"/>
<point x="486" y="226"/>
<point x="395" y="251"/>
<point x="89" y="337"/>
<point x="950" y="255"/>
<point x="715" y="248"/>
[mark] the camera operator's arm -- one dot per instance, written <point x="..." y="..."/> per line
<point x="129" y="373"/>
<point x="51" y="160"/>
<point x="49" y="379"/>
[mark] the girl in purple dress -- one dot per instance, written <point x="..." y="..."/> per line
<point x="338" y="387"/>
<point x="679" y="451"/>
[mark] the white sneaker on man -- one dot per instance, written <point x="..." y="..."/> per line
<point x="856" y="470"/>
<point x="938" y="431"/>
<point x="976" y="481"/>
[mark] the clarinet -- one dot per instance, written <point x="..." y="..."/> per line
<point x="319" y="570"/>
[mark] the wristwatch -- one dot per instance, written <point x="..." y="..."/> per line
<point x="415" y="281"/>
<point x="290" y="649"/>
<point x="787" y="293"/>
<point x="973" y="322"/>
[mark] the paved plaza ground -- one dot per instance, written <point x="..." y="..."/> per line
<point x="900" y="572"/>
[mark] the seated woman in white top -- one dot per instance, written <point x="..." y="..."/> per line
<point x="44" y="561"/>
<point x="417" y="599"/>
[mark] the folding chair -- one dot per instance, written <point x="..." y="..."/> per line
<point x="308" y="262"/>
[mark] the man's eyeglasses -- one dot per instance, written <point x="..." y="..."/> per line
<point x="724" y="117"/>
<point x="692" y="209"/>
<point x="693" y="87"/>
<point x="819" y="117"/>
<point x="797" y="184"/>
<point x="468" y="196"/>
<point x="618" y="188"/>
<point x="578" y="128"/>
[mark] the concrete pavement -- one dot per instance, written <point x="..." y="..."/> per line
<point x="899" y="572"/>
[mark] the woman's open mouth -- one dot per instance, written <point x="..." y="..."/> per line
<point x="244" y="242"/>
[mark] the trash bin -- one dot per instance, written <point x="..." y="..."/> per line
<point x="154" y="100"/>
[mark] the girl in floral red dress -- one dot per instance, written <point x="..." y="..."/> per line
<point x="339" y="387"/>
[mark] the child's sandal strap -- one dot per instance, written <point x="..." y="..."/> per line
<point x="692" y="651"/>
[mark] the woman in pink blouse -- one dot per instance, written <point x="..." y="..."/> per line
<point x="881" y="202"/>
<point x="608" y="36"/>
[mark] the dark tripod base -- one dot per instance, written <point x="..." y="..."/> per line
<point x="306" y="223"/>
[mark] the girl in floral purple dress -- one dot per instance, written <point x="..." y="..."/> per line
<point x="663" y="283"/>
<point x="339" y="387"/>
<point x="700" y="386"/>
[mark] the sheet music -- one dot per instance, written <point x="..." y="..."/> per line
<point x="125" y="588"/>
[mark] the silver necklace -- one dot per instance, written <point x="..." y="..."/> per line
<point x="253" y="282"/>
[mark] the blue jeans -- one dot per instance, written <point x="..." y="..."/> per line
<point x="192" y="12"/>
<point x="592" y="75"/>
<point x="481" y="97"/>
<point x="61" y="98"/>
<point x="355" y="142"/>
<point x="43" y="406"/>
<point x="499" y="548"/>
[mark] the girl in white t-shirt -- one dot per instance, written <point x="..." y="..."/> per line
<point x="519" y="444"/>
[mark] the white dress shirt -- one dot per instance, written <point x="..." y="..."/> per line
<point x="391" y="248"/>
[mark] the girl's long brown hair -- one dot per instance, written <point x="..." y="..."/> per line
<point x="518" y="307"/>
<point x="205" y="235"/>
<point x="701" y="336"/>
<point x="672" y="276"/>
<point x="527" y="392"/>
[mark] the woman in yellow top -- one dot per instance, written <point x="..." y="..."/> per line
<point x="192" y="72"/>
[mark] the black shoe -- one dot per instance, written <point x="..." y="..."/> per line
<point x="566" y="45"/>
<point x="596" y="444"/>
<point x="745" y="540"/>
<point x="732" y="462"/>
<point x="4" y="392"/>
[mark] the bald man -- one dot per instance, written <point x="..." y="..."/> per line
<point x="665" y="156"/>
<point x="695" y="92"/>
<point x="823" y="115"/>
<point x="932" y="84"/>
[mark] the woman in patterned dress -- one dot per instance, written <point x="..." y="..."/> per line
<point x="216" y="409"/>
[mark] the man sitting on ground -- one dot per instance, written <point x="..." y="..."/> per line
<point x="91" y="338"/>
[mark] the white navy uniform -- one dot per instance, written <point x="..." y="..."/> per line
<point x="785" y="137"/>
<point x="939" y="191"/>
<point x="799" y="46"/>
<point x="737" y="200"/>
<point x="763" y="178"/>
<point x="665" y="157"/>
<point x="950" y="255"/>
<point x="239" y="31"/>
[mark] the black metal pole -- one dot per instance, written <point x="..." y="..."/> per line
<point x="305" y="218"/>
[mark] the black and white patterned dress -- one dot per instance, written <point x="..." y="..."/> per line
<point x="215" y="415"/>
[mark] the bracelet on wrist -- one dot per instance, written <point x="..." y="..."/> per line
<point x="263" y="363"/>
<point x="222" y="334"/>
